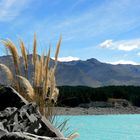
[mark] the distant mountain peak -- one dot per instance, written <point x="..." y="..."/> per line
<point x="93" y="60"/>
<point x="90" y="72"/>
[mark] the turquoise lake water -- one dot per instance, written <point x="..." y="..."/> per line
<point x="106" y="127"/>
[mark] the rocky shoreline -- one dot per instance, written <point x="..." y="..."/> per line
<point x="20" y="120"/>
<point x="96" y="110"/>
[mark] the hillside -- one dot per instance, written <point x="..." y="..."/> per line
<point x="75" y="95"/>
<point x="91" y="73"/>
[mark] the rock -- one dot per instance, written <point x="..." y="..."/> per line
<point x="96" y="104"/>
<point x="20" y="120"/>
<point x="10" y="98"/>
<point x="2" y="131"/>
<point x="23" y="136"/>
<point x="27" y="119"/>
<point x="118" y="103"/>
<point x="7" y="112"/>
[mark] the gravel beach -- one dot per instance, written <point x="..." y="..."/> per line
<point x="96" y="110"/>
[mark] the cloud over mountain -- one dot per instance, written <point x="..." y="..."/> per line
<point x="90" y="72"/>
<point x="67" y="59"/>
<point x="123" y="45"/>
<point x="124" y="62"/>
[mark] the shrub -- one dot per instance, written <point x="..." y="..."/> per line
<point x="43" y="90"/>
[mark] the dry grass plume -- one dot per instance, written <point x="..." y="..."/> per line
<point x="34" y="57"/>
<point x="28" y="89"/>
<point x="24" y="56"/>
<point x="14" y="52"/>
<point x="8" y="72"/>
<point x="43" y="91"/>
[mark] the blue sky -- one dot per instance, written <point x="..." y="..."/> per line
<point x="108" y="30"/>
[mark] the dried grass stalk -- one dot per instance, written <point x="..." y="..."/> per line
<point x="13" y="50"/>
<point x="36" y="73"/>
<point x="46" y="71"/>
<point x="34" y="57"/>
<point x="41" y="67"/>
<point x="52" y="82"/>
<point x="8" y="72"/>
<point x="24" y="83"/>
<point x="73" y="136"/>
<point x="24" y="56"/>
<point x="55" y="95"/>
<point x="57" y="49"/>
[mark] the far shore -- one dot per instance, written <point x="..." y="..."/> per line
<point x="96" y="110"/>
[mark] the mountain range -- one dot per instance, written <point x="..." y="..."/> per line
<point x="91" y="72"/>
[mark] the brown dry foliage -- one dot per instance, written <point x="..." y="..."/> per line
<point x="43" y="91"/>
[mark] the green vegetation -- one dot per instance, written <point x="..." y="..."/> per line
<point x="73" y="96"/>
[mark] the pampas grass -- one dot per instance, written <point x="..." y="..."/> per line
<point x="43" y="91"/>
<point x="14" y="52"/>
<point x="24" y="56"/>
<point x="8" y="72"/>
<point x="28" y="89"/>
<point x="46" y="71"/>
<point x="34" y="50"/>
<point x="57" y="49"/>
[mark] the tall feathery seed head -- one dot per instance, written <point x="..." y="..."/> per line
<point x="14" y="52"/>
<point x="24" y="83"/>
<point x="8" y="72"/>
<point x="57" y="49"/>
<point x="24" y="53"/>
<point x="34" y="50"/>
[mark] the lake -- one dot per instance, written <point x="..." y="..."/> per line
<point x="106" y="127"/>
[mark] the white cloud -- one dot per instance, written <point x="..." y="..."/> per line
<point x="67" y="59"/>
<point x="106" y="44"/>
<point x="10" y="9"/>
<point x="87" y="24"/>
<point x="123" y="62"/>
<point x="124" y="45"/>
